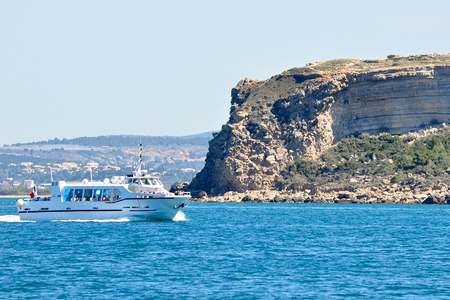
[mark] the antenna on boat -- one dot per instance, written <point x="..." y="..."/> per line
<point x="51" y="175"/>
<point x="90" y="172"/>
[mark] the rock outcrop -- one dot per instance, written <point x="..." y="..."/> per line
<point x="304" y="111"/>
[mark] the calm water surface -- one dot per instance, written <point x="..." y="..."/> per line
<point x="241" y="251"/>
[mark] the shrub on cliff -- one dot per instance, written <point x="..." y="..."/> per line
<point x="382" y="155"/>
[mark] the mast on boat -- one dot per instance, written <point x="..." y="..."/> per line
<point x="139" y="165"/>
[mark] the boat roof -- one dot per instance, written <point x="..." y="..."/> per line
<point x="89" y="184"/>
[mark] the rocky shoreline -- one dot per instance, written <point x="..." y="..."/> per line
<point x="259" y="197"/>
<point x="417" y="191"/>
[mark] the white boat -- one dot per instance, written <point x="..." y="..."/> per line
<point x="138" y="196"/>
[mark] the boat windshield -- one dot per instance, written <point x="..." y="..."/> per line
<point x="144" y="181"/>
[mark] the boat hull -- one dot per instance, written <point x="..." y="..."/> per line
<point x="131" y="208"/>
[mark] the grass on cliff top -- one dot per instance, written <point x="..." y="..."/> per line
<point x="380" y="155"/>
<point x="392" y="61"/>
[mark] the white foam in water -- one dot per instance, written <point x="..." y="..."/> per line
<point x="13" y="219"/>
<point x="118" y="220"/>
<point x="180" y="216"/>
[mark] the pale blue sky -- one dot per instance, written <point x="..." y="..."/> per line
<point x="76" y="68"/>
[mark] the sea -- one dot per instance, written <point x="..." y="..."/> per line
<point x="233" y="251"/>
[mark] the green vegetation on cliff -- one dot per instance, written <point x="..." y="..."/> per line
<point x="366" y="65"/>
<point x="398" y="156"/>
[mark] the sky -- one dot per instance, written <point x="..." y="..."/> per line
<point x="87" y="68"/>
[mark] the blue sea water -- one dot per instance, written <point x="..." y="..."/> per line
<point x="241" y="251"/>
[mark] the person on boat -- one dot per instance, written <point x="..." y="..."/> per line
<point x="33" y="193"/>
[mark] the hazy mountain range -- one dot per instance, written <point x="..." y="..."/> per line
<point x="199" y="139"/>
<point x="175" y="158"/>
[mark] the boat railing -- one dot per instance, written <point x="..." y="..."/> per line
<point x="37" y="199"/>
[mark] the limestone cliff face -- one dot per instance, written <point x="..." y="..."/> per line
<point x="303" y="111"/>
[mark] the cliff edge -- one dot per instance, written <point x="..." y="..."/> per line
<point x="302" y="112"/>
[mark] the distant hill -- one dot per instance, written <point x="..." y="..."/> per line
<point x="173" y="158"/>
<point x="200" y="139"/>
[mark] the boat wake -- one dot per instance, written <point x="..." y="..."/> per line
<point x="179" y="217"/>
<point x="118" y="220"/>
<point x="13" y="219"/>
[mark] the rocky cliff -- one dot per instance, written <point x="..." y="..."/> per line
<point x="304" y="111"/>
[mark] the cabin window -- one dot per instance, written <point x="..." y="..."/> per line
<point x="138" y="181"/>
<point x="68" y="195"/>
<point x="87" y="196"/>
<point x="97" y="195"/>
<point x="105" y="195"/>
<point x="113" y="194"/>
<point x="91" y="195"/>
<point x="78" y="194"/>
